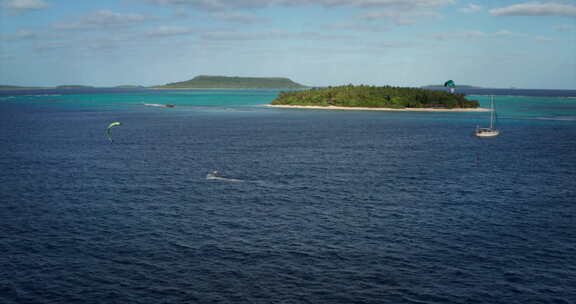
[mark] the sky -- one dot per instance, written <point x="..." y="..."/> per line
<point x="489" y="43"/>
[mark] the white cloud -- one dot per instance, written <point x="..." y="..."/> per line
<point x="164" y="31"/>
<point x="23" y="5"/>
<point x="536" y="9"/>
<point x="565" y="28"/>
<point x="507" y="33"/>
<point x="400" y="17"/>
<point x="238" y="4"/>
<point x="459" y="35"/>
<point x="104" y="19"/>
<point x="395" y="45"/>
<point x="472" y="8"/>
<point x="544" y="38"/>
<point x="474" y="34"/>
<point x="355" y="27"/>
<point x="376" y="3"/>
<point x="239" y="17"/>
<point x="213" y="4"/>
<point x="20" y="35"/>
<point x="503" y="33"/>
<point x="49" y="46"/>
<point x="180" y="13"/>
<point x="271" y="35"/>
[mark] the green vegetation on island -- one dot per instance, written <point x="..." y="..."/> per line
<point x="224" y="82"/>
<point x="374" y="97"/>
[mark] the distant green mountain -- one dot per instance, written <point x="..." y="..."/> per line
<point x="73" y="86"/>
<point x="128" y="86"/>
<point x="13" y="87"/>
<point x="224" y="82"/>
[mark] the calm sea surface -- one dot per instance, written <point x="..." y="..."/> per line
<point x="313" y="206"/>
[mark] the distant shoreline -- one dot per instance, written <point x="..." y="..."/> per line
<point x="382" y="109"/>
<point x="222" y="89"/>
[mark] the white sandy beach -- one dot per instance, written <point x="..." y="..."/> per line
<point x="382" y="109"/>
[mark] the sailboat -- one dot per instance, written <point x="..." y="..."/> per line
<point x="490" y="131"/>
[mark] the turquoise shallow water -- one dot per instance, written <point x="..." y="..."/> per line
<point x="127" y="99"/>
<point x="530" y="107"/>
<point x="507" y="106"/>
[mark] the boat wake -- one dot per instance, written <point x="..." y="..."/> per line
<point x="559" y="118"/>
<point x="159" y="105"/>
<point x="214" y="176"/>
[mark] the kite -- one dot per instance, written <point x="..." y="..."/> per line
<point x="108" y="130"/>
<point x="451" y="85"/>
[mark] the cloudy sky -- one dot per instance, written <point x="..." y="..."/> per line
<point x="493" y="43"/>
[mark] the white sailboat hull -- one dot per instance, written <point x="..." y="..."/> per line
<point x="491" y="131"/>
<point x="487" y="133"/>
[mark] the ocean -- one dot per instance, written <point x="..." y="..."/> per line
<point x="312" y="206"/>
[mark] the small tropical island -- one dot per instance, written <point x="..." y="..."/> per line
<point x="364" y="97"/>
<point x="225" y="82"/>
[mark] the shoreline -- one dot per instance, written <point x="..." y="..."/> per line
<point x="380" y="109"/>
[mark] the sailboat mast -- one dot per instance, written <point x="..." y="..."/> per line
<point x="492" y="114"/>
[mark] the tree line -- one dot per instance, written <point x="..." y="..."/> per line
<point x="375" y="97"/>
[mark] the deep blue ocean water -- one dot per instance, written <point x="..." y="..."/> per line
<point x="332" y="206"/>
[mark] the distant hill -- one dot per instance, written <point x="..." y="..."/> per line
<point x="73" y="86"/>
<point x="129" y="86"/>
<point x="13" y="87"/>
<point x="224" y="82"/>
